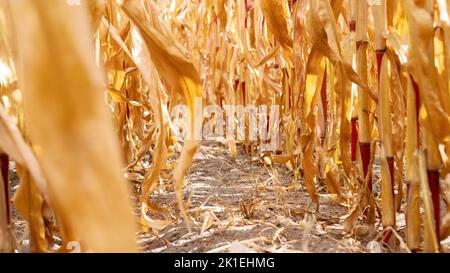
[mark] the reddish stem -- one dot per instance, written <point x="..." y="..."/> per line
<point x="243" y="91"/>
<point x="352" y="26"/>
<point x="365" y="157"/>
<point x="268" y="129"/>
<point x="289" y="89"/>
<point x="267" y="141"/>
<point x="4" y="165"/>
<point x="390" y="161"/>
<point x="323" y="95"/>
<point x="290" y="95"/>
<point x="433" y="181"/>
<point x="417" y="95"/>
<point x="236" y="84"/>
<point x="358" y="44"/>
<point x="433" y="175"/>
<point x="247" y="7"/>
<point x="387" y="237"/>
<point x="354" y="136"/>
<point x="291" y="4"/>
<point x="380" y="54"/>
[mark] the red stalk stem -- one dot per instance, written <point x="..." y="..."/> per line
<point x="323" y="95"/>
<point x="433" y="182"/>
<point x="243" y="91"/>
<point x="352" y="26"/>
<point x="365" y="156"/>
<point x="4" y="165"/>
<point x="354" y="136"/>
<point x="390" y="161"/>
<point x="380" y="54"/>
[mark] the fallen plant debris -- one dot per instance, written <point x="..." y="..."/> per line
<point x="225" y="126"/>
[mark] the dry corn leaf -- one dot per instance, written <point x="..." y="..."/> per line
<point x="276" y="15"/>
<point x="65" y="111"/>
<point x="179" y="75"/>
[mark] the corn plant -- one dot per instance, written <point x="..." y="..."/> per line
<point x="88" y="91"/>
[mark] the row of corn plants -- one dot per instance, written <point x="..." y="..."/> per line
<point x="363" y="89"/>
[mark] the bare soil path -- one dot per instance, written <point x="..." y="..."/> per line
<point x="239" y="205"/>
<point x="243" y="205"/>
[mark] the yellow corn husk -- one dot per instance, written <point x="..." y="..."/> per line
<point x="412" y="174"/>
<point x="385" y="115"/>
<point x="387" y="203"/>
<point x="65" y="111"/>
<point x="431" y="243"/>
<point x="398" y="98"/>
<point x="364" y="132"/>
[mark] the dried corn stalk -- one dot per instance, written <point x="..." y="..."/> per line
<point x="347" y="75"/>
<point x="69" y="126"/>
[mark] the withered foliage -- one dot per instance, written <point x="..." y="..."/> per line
<point x="355" y="80"/>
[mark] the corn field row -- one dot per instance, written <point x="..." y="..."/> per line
<point x="87" y="89"/>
